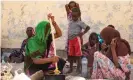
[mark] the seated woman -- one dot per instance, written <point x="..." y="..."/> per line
<point x="30" y="33"/>
<point x="18" y="56"/>
<point x="114" y="62"/>
<point x="38" y="46"/>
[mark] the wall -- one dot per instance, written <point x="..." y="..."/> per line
<point x="17" y="16"/>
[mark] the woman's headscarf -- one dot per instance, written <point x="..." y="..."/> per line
<point x="122" y="46"/>
<point x="39" y="41"/>
<point x="108" y="34"/>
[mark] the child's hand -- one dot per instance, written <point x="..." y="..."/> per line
<point x="81" y="34"/>
<point x="97" y="46"/>
<point x="65" y="48"/>
<point x="66" y="5"/>
<point x="77" y="5"/>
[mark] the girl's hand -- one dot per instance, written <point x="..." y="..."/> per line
<point x="97" y="46"/>
<point x="66" y="5"/>
<point x="113" y="44"/>
<point x="81" y="34"/>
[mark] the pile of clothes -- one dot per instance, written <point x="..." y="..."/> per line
<point x="13" y="57"/>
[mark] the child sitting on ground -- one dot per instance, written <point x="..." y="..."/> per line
<point x="90" y="48"/>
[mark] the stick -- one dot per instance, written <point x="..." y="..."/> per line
<point x="56" y="66"/>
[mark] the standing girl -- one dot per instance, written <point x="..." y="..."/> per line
<point x="69" y="7"/>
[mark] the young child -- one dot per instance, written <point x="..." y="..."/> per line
<point x="69" y="7"/>
<point x="90" y="47"/>
<point x="74" y="34"/>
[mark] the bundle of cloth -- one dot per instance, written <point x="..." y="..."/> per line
<point x="14" y="57"/>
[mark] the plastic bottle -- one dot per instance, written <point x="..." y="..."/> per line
<point x="84" y="72"/>
<point x="100" y="39"/>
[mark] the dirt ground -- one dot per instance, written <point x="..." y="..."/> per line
<point x="63" y="55"/>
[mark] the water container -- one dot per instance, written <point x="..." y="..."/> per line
<point x="84" y="72"/>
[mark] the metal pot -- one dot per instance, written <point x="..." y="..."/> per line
<point x="54" y="77"/>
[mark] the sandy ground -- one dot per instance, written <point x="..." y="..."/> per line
<point x="68" y="77"/>
<point x="63" y="55"/>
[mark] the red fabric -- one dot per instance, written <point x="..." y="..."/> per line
<point x="75" y="47"/>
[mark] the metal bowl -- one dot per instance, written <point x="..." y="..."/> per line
<point x="54" y="77"/>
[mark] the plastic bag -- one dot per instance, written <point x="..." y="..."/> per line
<point x="21" y="76"/>
<point x="6" y="72"/>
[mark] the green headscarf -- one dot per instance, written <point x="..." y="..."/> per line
<point x="38" y="42"/>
